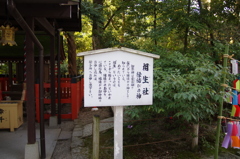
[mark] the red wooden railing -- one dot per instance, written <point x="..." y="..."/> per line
<point x="4" y="82"/>
<point x="4" y="86"/>
<point x="71" y="92"/>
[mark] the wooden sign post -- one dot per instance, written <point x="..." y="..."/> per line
<point x="118" y="132"/>
<point x="118" y="77"/>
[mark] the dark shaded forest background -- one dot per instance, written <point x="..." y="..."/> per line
<point x="189" y="35"/>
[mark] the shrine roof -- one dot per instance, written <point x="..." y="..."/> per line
<point x="49" y="17"/>
<point x="64" y="14"/>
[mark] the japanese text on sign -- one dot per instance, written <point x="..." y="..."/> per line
<point x="111" y="80"/>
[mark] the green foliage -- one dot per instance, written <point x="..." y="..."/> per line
<point x="185" y="86"/>
<point x="92" y="12"/>
<point x="163" y="24"/>
<point x="64" y="68"/>
<point x="207" y="146"/>
<point x="190" y="39"/>
<point x="3" y="69"/>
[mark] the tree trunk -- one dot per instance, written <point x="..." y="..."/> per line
<point x="72" y="64"/>
<point x="155" y="20"/>
<point x="205" y="4"/>
<point x="97" y="28"/>
<point x="187" y="29"/>
<point x="123" y="28"/>
<point x="195" y="136"/>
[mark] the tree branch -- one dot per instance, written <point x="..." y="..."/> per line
<point x="110" y="19"/>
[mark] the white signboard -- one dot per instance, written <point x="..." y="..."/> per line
<point x="117" y="78"/>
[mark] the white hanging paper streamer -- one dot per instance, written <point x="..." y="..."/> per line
<point x="234" y="66"/>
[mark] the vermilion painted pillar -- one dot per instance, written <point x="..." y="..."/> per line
<point x="74" y="96"/>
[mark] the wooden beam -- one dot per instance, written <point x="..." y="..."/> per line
<point x="69" y="24"/>
<point x="66" y="15"/>
<point x="30" y="84"/>
<point x="45" y="10"/>
<point x="44" y="23"/>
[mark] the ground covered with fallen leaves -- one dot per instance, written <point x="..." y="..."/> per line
<point x="156" y="138"/>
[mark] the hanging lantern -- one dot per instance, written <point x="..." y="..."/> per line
<point x="8" y="35"/>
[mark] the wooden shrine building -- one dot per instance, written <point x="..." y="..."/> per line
<point x="36" y="25"/>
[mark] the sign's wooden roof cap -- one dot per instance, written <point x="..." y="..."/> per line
<point x="118" y="49"/>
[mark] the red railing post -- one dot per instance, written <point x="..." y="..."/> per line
<point x="81" y="92"/>
<point x="74" y="95"/>
<point x="72" y="92"/>
<point x="4" y="83"/>
<point x="78" y="96"/>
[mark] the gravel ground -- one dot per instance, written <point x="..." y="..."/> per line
<point x="63" y="146"/>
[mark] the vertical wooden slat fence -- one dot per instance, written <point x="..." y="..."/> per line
<point x="71" y="92"/>
<point x="4" y="84"/>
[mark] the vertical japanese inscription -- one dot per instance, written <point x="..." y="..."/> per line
<point x="105" y="78"/>
<point x="114" y="73"/>
<point x="119" y="75"/>
<point x="116" y="80"/>
<point x="132" y="76"/>
<point x="110" y="74"/>
<point x="128" y="78"/>
<point x="109" y="84"/>
<point x="145" y="82"/>
<point x="139" y="81"/>
<point x="100" y="78"/>
<point x="90" y="78"/>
